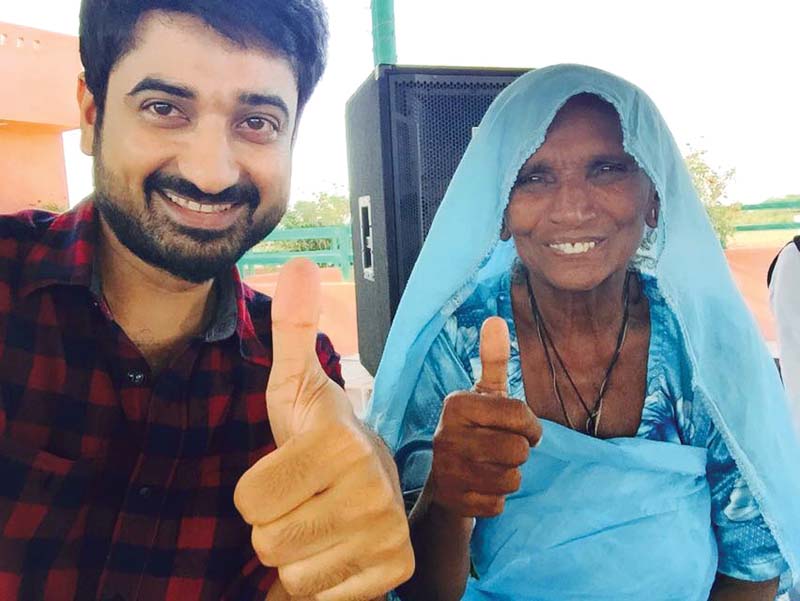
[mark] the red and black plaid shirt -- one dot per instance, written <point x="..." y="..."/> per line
<point x="115" y="484"/>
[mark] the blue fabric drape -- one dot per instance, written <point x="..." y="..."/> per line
<point x="657" y="545"/>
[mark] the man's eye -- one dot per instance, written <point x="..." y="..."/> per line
<point x="260" y="124"/>
<point x="162" y="109"/>
<point x="612" y="168"/>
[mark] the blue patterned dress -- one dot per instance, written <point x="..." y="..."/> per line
<point x="746" y="548"/>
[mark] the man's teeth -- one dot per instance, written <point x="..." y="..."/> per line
<point x="196" y="206"/>
<point x="573" y="248"/>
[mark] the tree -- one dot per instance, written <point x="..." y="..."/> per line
<point x="711" y="186"/>
<point x="326" y="209"/>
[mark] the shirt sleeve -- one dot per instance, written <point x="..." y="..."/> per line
<point x="329" y="359"/>
<point x="784" y="297"/>
<point x="252" y="584"/>
<point x="747" y="549"/>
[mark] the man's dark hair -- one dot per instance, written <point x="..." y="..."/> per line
<point x="295" y="29"/>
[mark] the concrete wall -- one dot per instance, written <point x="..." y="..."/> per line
<point x="338" y="309"/>
<point x="32" y="173"/>
<point x="38" y="75"/>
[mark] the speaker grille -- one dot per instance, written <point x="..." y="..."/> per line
<point x="432" y="121"/>
<point x="407" y="128"/>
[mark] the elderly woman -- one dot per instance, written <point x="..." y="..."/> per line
<point x="664" y="465"/>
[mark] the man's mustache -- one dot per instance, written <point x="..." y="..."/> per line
<point x="245" y="193"/>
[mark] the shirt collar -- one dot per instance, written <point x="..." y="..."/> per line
<point x="64" y="253"/>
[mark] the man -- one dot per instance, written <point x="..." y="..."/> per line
<point x="783" y="279"/>
<point x="784" y="297"/>
<point x="134" y="362"/>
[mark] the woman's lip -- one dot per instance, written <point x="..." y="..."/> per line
<point x="206" y="221"/>
<point x="598" y="242"/>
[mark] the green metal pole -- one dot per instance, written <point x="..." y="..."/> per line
<point x="384" y="50"/>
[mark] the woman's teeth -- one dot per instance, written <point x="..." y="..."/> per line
<point x="197" y="206"/>
<point x="573" y="248"/>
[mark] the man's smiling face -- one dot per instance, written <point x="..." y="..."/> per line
<point x="193" y="155"/>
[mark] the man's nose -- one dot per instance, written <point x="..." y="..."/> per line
<point x="208" y="159"/>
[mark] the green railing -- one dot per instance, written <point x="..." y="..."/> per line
<point x="339" y="254"/>
<point x="773" y="206"/>
<point x="776" y="204"/>
<point x="762" y="227"/>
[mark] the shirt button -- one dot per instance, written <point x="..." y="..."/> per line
<point x="145" y="492"/>
<point x="135" y="377"/>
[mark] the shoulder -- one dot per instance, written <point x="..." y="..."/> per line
<point x="666" y="340"/>
<point x="20" y="233"/>
<point x="788" y="258"/>
<point x="488" y="297"/>
<point x="25" y="227"/>
<point x="668" y="366"/>
<point x="784" y="283"/>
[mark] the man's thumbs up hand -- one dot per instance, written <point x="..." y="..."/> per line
<point x="325" y="506"/>
<point x="300" y="396"/>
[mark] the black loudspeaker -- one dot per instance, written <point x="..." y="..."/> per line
<point x="407" y="128"/>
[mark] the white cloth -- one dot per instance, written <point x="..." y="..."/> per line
<point x="784" y="297"/>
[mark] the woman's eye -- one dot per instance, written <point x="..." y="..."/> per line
<point x="611" y="172"/>
<point x="531" y="178"/>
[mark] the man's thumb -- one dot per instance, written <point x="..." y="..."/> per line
<point x="295" y="318"/>
<point x="495" y="350"/>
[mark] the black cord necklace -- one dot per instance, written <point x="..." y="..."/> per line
<point x="594" y="414"/>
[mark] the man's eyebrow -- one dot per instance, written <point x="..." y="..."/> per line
<point x="255" y="99"/>
<point x="159" y="85"/>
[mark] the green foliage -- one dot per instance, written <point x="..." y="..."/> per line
<point x="787" y="198"/>
<point x="324" y="210"/>
<point x="711" y="186"/>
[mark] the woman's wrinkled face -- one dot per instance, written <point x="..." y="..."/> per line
<point x="580" y="203"/>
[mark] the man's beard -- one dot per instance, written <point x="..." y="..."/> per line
<point x="191" y="254"/>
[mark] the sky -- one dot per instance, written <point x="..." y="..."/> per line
<point x="725" y="75"/>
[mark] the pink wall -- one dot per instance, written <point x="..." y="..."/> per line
<point x="38" y="75"/>
<point x="32" y="172"/>
<point x="338" y="311"/>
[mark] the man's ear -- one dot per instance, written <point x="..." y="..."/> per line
<point x="88" y="110"/>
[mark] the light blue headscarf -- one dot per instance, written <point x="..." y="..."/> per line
<point x="731" y="367"/>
